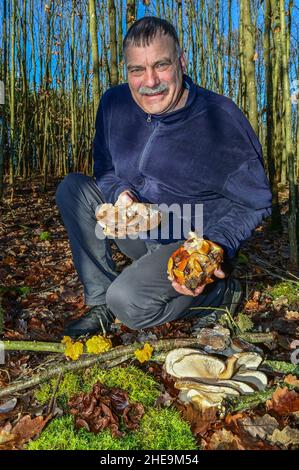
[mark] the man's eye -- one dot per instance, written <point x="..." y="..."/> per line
<point x="162" y="66"/>
<point x="136" y="71"/>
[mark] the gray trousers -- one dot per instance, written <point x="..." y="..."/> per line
<point x="140" y="296"/>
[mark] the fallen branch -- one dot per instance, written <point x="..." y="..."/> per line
<point x="258" y="337"/>
<point x="247" y="402"/>
<point x="118" y="355"/>
<point x="40" y="346"/>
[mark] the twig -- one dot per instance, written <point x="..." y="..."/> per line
<point x="119" y="353"/>
<point x="51" y="403"/>
<point x="262" y="262"/>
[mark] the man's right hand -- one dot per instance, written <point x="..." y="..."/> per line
<point x="126" y="198"/>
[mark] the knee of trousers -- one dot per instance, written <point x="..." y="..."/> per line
<point x="120" y="300"/>
<point x="64" y="188"/>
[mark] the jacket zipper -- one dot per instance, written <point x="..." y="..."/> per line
<point x="149" y="118"/>
<point x="148" y="143"/>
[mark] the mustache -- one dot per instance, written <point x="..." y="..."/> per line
<point x="152" y="91"/>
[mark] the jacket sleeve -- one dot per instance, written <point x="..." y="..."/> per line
<point x="109" y="184"/>
<point x="247" y="190"/>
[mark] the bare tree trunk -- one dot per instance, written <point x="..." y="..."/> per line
<point x="2" y="98"/>
<point x="276" y="219"/>
<point x="229" y="49"/>
<point x="12" y="93"/>
<point x="180" y="21"/>
<point x="219" y="55"/>
<point x="95" y="55"/>
<point x="113" y="43"/>
<point x="130" y="12"/>
<point x="285" y="38"/>
<point x="249" y="63"/>
<point x="74" y="136"/>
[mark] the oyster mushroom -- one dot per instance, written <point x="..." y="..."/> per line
<point x="181" y="363"/>
<point x="206" y="380"/>
<point x="256" y="379"/>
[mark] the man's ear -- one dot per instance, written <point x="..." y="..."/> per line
<point x="183" y="62"/>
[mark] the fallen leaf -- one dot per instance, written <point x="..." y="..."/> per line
<point x="233" y="420"/>
<point x="200" y="421"/>
<point x="283" y="401"/>
<point x="252" y="305"/>
<point x="291" y="380"/>
<point x="25" y="429"/>
<point x="261" y="426"/>
<point x="286" y="437"/>
<point x="292" y="315"/>
<point x="224" y="440"/>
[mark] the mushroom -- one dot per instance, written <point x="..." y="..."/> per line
<point x="206" y="380"/>
<point x="137" y="217"/>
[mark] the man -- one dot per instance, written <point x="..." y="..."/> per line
<point x="161" y="139"/>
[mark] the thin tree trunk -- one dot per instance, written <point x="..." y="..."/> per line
<point x="95" y="55"/>
<point x="130" y="13"/>
<point x="285" y="38"/>
<point x="276" y="219"/>
<point x="249" y="63"/>
<point x="12" y="93"/>
<point x="219" y="52"/>
<point x="113" y="43"/>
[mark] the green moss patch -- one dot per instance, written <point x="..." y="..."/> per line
<point x="141" y="387"/>
<point x="285" y="289"/>
<point x="159" y="430"/>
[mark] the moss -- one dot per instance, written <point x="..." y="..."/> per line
<point x="69" y="385"/>
<point x="165" y="430"/>
<point x="61" y="435"/>
<point x="140" y="386"/>
<point x="285" y="289"/>
<point x="160" y="430"/>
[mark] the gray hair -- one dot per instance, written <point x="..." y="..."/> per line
<point x="143" y="32"/>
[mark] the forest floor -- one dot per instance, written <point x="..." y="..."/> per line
<point x="40" y="291"/>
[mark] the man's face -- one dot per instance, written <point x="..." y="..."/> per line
<point x="155" y="75"/>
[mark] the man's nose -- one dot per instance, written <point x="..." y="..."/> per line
<point x="151" y="78"/>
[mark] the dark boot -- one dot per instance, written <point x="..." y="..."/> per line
<point x="98" y="320"/>
<point x="231" y="299"/>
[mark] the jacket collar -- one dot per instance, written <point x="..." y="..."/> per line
<point x="176" y="115"/>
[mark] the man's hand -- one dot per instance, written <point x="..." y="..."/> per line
<point x="126" y="198"/>
<point x="183" y="289"/>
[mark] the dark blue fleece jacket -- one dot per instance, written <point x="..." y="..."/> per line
<point x="204" y="153"/>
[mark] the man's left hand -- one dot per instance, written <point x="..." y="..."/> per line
<point x="183" y="289"/>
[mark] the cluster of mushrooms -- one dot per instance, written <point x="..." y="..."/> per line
<point x="119" y="221"/>
<point x="206" y="380"/>
<point x="194" y="262"/>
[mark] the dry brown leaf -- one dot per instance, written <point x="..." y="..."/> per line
<point x="233" y="420"/>
<point x="25" y="429"/>
<point x="224" y="440"/>
<point x="283" y="401"/>
<point x="292" y="315"/>
<point x="291" y="380"/>
<point x="200" y="421"/>
<point x="252" y="305"/>
<point x="286" y="437"/>
<point x="260" y="426"/>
